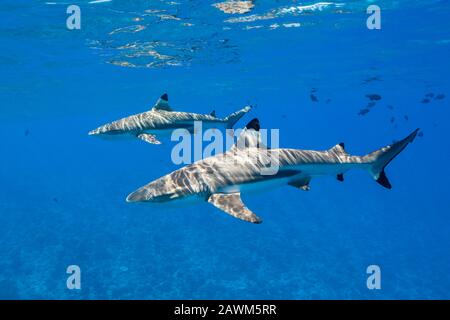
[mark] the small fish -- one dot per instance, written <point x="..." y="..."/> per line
<point x="392" y="119"/>
<point x="406" y="117"/>
<point x="440" y="96"/>
<point x="426" y="100"/>
<point x="27" y="133"/>
<point x="55" y="200"/>
<point x="314" y="98"/>
<point x="313" y="90"/>
<point x="420" y="134"/>
<point x="429" y="95"/>
<point x="390" y="107"/>
<point x="363" y="112"/>
<point x="373" y="97"/>
<point x="372" y="79"/>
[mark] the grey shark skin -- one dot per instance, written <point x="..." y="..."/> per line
<point x="220" y="179"/>
<point x="161" y="119"/>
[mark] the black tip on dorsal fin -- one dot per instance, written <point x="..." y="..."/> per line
<point x="339" y="149"/>
<point x="340" y="177"/>
<point x="383" y="180"/>
<point x="253" y="124"/>
<point x="213" y="113"/>
<point x="165" y="97"/>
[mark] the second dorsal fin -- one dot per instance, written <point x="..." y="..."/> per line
<point x="162" y="103"/>
<point x="339" y="149"/>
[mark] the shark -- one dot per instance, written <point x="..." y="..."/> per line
<point x="161" y="119"/>
<point x="220" y="179"/>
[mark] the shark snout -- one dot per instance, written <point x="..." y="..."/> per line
<point x="99" y="130"/>
<point x="139" y="195"/>
<point x="134" y="197"/>
<point x="148" y="195"/>
<point x="154" y="192"/>
<point x="93" y="132"/>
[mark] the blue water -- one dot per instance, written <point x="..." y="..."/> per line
<point x="62" y="192"/>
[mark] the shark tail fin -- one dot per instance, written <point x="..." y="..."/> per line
<point x="235" y="116"/>
<point x="379" y="159"/>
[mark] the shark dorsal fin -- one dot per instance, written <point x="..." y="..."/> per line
<point x="162" y="103"/>
<point x="213" y="113"/>
<point x="250" y="137"/>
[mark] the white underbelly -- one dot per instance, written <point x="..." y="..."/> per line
<point x="259" y="186"/>
<point x="323" y="169"/>
<point x="161" y="132"/>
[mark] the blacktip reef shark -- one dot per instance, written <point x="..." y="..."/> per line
<point x="220" y="179"/>
<point x="161" y="119"/>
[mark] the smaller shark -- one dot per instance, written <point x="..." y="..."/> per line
<point x="220" y="179"/>
<point x="161" y="119"/>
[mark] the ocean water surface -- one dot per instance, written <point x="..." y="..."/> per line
<point x="313" y="70"/>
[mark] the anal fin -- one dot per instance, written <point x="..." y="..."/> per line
<point x="150" y="138"/>
<point x="340" y="177"/>
<point x="232" y="204"/>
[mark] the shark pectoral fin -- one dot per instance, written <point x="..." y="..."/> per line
<point x="302" y="183"/>
<point x="232" y="204"/>
<point x="150" y="138"/>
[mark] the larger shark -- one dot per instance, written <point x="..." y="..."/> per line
<point x="220" y="179"/>
<point x="161" y="119"/>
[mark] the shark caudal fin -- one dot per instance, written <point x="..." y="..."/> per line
<point x="379" y="159"/>
<point x="235" y="116"/>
